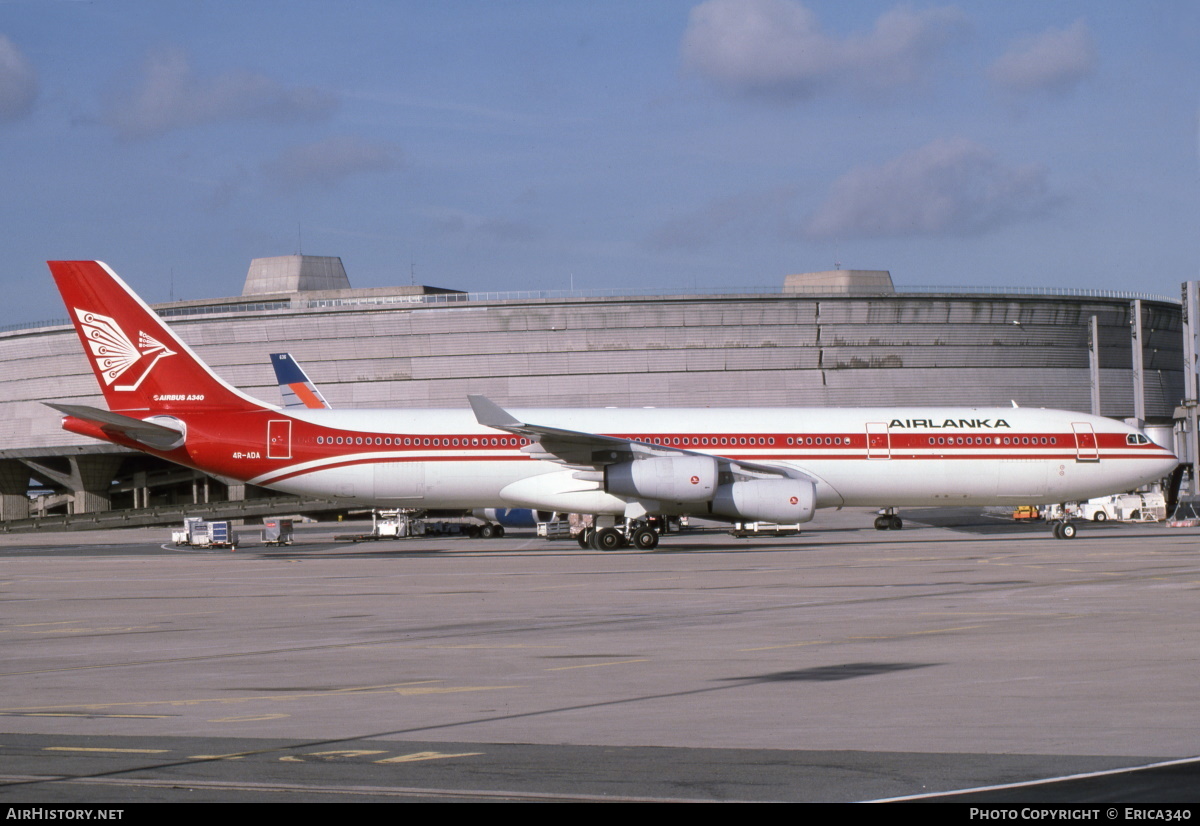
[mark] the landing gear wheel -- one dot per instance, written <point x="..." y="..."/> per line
<point x="881" y="523"/>
<point x="645" y="539"/>
<point x="895" y="523"/>
<point x="1067" y="531"/>
<point x="584" y="538"/>
<point x="609" y="539"/>
<point x="499" y="531"/>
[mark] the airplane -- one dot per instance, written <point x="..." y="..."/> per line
<point x="622" y="466"/>
<point x="298" y="390"/>
<point x="295" y="386"/>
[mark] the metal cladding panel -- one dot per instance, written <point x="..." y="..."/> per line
<point x="348" y="350"/>
<point x="534" y="318"/>
<point x="377" y="394"/>
<point x="771" y="358"/>
<point x="1161" y="389"/>
<point x="59" y="361"/>
<point x="53" y="388"/>
<point x="366" y="371"/>
<point x="458" y="344"/>
<point x="688" y="338"/>
<point x="961" y="358"/>
<point x="1165" y="361"/>
<point x="443" y="321"/>
<point x="1163" y="339"/>
<point x="17" y="427"/>
<point x="633" y="361"/>
<point x="718" y="351"/>
<point x="944" y="334"/>
<point x="1069" y="390"/>
<point x="972" y="311"/>
<point x="347" y="324"/>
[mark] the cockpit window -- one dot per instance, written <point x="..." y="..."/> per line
<point x="1136" y="439"/>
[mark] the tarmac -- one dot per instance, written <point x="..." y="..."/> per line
<point x="965" y="658"/>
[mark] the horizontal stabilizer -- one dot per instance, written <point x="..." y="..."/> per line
<point x="148" y="433"/>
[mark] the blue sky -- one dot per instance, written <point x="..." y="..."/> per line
<point x="543" y="145"/>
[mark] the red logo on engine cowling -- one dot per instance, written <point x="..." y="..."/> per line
<point x="794" y="500"/>
<point x="695" y="480"/>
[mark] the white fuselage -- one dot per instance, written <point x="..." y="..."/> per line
<point x="876" y="457"/>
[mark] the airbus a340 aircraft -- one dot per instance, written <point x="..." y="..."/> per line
<point x="623" y="466"/>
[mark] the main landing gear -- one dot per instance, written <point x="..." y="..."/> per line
<point x="1064" y="529"/>
<point x="888" y="520"/>
<point x="634" y="533"/>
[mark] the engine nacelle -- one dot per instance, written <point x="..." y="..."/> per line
<point x="664" y="478"/>
<point x="783" y="501"/>
<point x="512" y="517"/>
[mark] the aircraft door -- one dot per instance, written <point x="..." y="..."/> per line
<point x="279" y="439"/>
<point x="879" y="441"/>
<point x="1087" y="448"/>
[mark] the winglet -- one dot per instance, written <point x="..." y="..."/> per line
<point x="490" y="414"/>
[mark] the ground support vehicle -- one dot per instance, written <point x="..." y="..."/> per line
<point x="197" y="533"/>
<point x="277" y="532"/>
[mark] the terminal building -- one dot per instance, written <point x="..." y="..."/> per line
<point x="840" y="338"/>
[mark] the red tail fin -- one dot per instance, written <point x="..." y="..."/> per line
<point x="139" y="363"/>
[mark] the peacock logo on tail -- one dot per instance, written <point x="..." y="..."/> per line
<point x="115" y="353"/>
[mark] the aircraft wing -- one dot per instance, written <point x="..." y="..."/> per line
<point x="593" y="450"/>
<point x="148" y="433"/>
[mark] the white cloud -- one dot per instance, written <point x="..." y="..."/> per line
<point x="776" y="48"/>
<point x="1054" y="61"/>
<point x="325" y="164"/>
<point x="171" y="96"/>
<point x="947" y="187"/>
<point x="18" y="82"/>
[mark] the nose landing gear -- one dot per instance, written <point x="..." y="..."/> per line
<point x="1063" y="527"/>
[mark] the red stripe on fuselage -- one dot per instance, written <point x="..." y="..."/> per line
<point x="235" y="444"/>
<point x="780" y="457"/>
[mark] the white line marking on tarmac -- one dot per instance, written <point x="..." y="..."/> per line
<point x="1046" y="781"/>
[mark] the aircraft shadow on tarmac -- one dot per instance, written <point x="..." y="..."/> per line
<point x="832" y="673"/>
<point x="974" y="522"/>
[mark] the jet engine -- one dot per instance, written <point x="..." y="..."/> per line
<point x="783" y="501"/>
<point x="512" y="517"/>
<point x="664" y="478"/>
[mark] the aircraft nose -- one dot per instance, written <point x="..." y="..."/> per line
<point x="1169" y="462"/>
